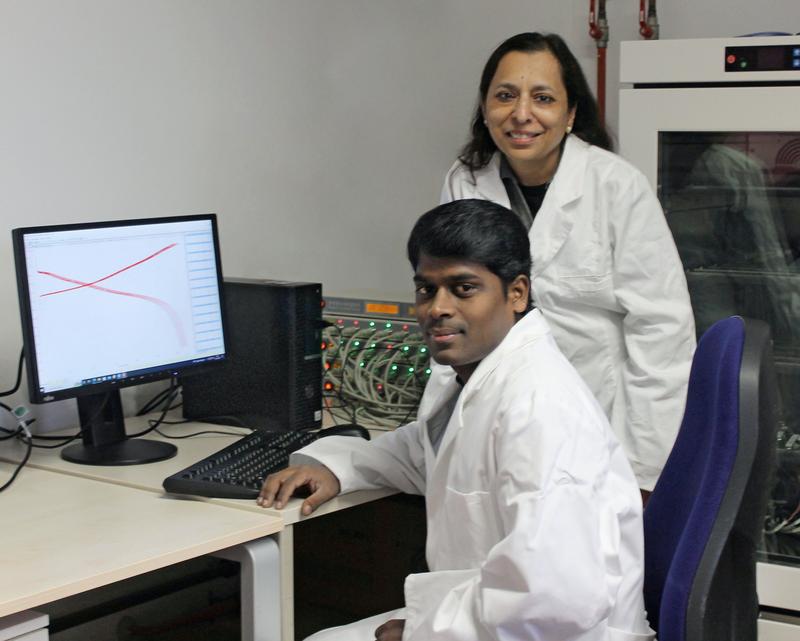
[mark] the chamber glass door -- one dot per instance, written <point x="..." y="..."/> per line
<point x="732" y="201"/>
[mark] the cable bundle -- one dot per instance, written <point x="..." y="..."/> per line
<point x="374" y="374"/>
<point x="784" y="512"/>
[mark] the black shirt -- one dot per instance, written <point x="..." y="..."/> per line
<point x="534" y="196"/>
<point x="525" y="201"/>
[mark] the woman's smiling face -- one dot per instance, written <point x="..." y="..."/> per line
<point x="527" y="113"/>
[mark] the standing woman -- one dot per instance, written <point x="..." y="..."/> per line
<point x="606" y="274"/>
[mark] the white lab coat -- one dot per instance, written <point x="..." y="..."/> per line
<point x="609" y="281"/>
<point x="534" y="515"/>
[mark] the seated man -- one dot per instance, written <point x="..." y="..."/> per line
<point x="534" y="516"/>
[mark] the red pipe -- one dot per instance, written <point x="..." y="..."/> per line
<point x="598" y="30"/>
<point x="594" y="30"/>
<point x="601" y="82"/>
<point x="644" y="29"/>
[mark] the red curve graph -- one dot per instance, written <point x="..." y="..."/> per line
<point x="166" y="307"/>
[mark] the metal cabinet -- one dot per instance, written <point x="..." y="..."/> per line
<point x="714" y="125"/>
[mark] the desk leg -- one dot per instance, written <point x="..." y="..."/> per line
<point x="286" y="553"/>
<point x="260" y="563"/>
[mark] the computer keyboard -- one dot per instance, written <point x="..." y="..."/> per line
<point x="238" y="470"/>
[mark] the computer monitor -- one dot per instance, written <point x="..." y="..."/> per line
<point x="106" y="305"/>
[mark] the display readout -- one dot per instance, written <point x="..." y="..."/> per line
<point x="763" y="58"/>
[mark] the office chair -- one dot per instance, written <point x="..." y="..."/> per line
<point x="706" y="513"/>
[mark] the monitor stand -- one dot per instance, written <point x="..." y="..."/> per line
<point x="104" y="438"/>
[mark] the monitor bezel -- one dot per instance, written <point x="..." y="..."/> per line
<point x="169" y="370"/>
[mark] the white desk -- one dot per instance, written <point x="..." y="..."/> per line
<point x="149" y="478"/>
<point x="63" y="535"/>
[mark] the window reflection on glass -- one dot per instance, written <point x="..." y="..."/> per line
<point x="732" y="201"/>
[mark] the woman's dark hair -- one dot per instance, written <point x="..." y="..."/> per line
<point x="588" y="126"/>
<point x="476" y="230"/>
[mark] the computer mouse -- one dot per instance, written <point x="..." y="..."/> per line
<point x="345" y="429"/>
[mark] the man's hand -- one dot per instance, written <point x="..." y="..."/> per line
<point x="279" y="487"/>
<point x="392" y="630"/>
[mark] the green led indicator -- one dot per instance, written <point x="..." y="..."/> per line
<point x="422" y="350"/>
<point x="394" y="368"/>
<point x="361" y="364"/>
<point x="373" y="345"/>
<point x="428" y="371"/>
<point x="372" y="323"/>
<point x="405" y="348"/>
<point x="356" y="343"/>
<point x="388" y="326"/>
<point x="410" y="370"/>
<point x="20" y="411"/>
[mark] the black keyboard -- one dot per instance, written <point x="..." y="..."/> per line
<point x="238" y="470"/>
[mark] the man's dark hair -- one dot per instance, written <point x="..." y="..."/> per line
<point x="588" y="125"/>
<point x="476" y="230"/>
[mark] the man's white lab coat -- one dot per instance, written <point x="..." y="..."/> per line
<point x="534" y="516"/>
<point x="609" y="281"/>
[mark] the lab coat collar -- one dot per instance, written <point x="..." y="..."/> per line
<point x="555" y="219"/>
<point x="488" y="184"/>
<point x="567" y="184"/>
<point x="441" y="386"/>
<point x="443" y="383"/>
<point x="527" y="329"/>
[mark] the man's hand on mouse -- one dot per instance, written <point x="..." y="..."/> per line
<point x="279" y="487"/>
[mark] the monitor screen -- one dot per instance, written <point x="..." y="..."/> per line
<point x="112" y="304"/>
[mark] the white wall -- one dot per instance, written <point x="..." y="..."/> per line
<point x="318" y="130"/>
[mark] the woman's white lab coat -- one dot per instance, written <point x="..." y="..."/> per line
<point x="609" y="281"/>
<point x="534" y="516"/>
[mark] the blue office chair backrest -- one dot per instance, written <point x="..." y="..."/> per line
<point x="706" y="513"/>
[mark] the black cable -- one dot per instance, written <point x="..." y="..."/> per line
<point x="9" y="434"/>
<point x="154" y="402"/>
<point x="211" y="419"/>
<point x="344" y="404"/>
<point x="19" y="376"/>
<point x="21" y="434"/>
<point x="12" y="433"/>
<point x="330" y="408"/>
<point x="175" y="437"/>
<point x="65" y="440"/>
<point x="173" y="388"/>
<point x="169" y="395"/>
<point x="222" y="419"/>
<point x="44" y="437"/>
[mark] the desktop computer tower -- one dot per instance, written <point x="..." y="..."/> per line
<point x="273" y="377"/>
